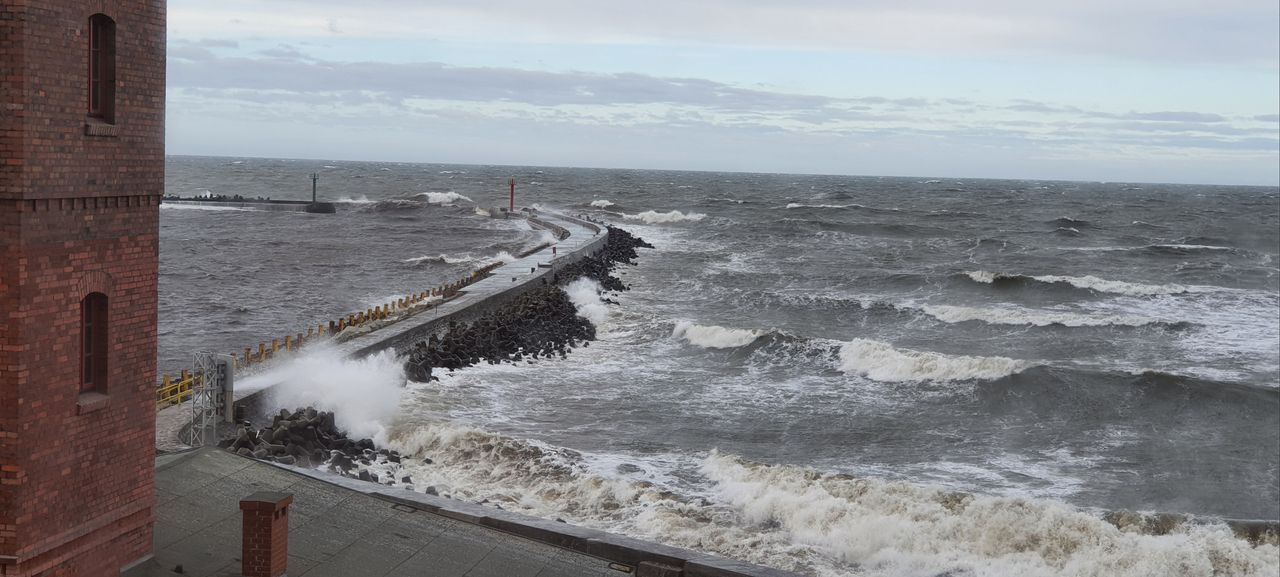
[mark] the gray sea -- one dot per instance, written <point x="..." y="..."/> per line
<point x="807" y="370"/>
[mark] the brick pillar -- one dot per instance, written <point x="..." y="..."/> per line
<point x="266" y="534"/>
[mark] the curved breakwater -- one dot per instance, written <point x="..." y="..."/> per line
<point x="783" y="516"/>
<point x="819" y="389"/>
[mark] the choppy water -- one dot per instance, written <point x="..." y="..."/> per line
<point x="806" y="364"/>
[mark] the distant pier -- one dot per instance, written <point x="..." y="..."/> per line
<point x="264" y="204"/>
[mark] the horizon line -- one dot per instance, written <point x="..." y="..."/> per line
<point x="1271" y="186"/>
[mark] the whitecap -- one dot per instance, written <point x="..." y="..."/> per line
<point x="655" y="217"/>
<point x="880" y="361"/>
<point x="443" y="258"/>
<point x="896" y="528"/>
<point x="714" y="337"/>
<point x="1091" y="282"/>
<point x="441" y="197"/>
<point x="172" y="206"/>
<point x="1018" y="316"/>
<point x="502" y="257"/>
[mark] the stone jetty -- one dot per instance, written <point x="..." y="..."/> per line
<point x="541" y="323"/>
<point x="309" y="438"/>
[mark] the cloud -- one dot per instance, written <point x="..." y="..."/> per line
<point x="283" y="51"/>
<point x="284" y="76"/>
<point x="1169" y="116"/>
<point x="1189" y="31"/>
<point x="286" y="70"/>
<point x="1267" y="118"/>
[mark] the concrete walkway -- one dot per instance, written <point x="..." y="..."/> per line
<point x="333" y="531"/>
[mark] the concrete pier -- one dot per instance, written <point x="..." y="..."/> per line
<point x="264" y="205"/>
<point x="442" y="537"/>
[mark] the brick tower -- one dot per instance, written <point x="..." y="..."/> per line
<point x="81" y="175"/>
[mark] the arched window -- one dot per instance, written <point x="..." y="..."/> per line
<point x="102" y="68"/>
<point x="93" y="338"/>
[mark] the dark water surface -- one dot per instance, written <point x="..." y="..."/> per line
<point x="1107" y="345"/>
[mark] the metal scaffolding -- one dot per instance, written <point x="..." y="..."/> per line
<point x="211" y="394"/>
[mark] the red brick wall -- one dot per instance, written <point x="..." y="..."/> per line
<point x="78" y="214"/>
<point x="47" y="93"/>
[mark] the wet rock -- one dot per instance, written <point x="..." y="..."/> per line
<point x="431" y="490"/>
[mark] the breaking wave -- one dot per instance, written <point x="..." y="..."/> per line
<point x="1088" y="282"/>
<point x="799" y="519"/>
<point x="655" y="217"/>
<point x="714" y="337"/>
<point x="502" y="257"/>
<point x="795" y="205"/>
<point x="364" y="394"/>
<point x="441" y="197"/>
<point x="1172" y="249"/>
<point x="896" y="528"/>
<point x="584" y="293"/>
<point x="880" y="361"/>
<point x="601" y="203"/>
<point x="172" y="206"/>
<point x="1187" y="248"/>
<point x="1016" y="316"/>
<point x="442" y="258"/>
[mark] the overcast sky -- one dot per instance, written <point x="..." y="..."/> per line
<point x="1117" y="90"/>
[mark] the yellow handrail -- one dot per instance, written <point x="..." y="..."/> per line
<point x="172" y="392"/>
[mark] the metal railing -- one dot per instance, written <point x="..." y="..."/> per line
<point x="171" y="391"/>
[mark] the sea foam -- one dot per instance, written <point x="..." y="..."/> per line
<point x="1017" y="316"/>
<point x="503" y="257"/>
<point x="443" y="258"/>
<point x="601" y="203"/>
<point x="1088" y="282"/>
<point x="655" y="217"/>
<point x="894" y="528"/>
<point x="880" y="361"/>
<point x="584" y="293"/>
<point x="796" y="518"/>
<point x="714" y="337"/>
<point x="364" y="394"/>
<point x="441" y="197"/>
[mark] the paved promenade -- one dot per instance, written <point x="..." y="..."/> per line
<point x="333" y="531"/>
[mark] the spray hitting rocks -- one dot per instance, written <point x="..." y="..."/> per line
<point x="310" y="438"/>
<point x="542" y="323"/>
